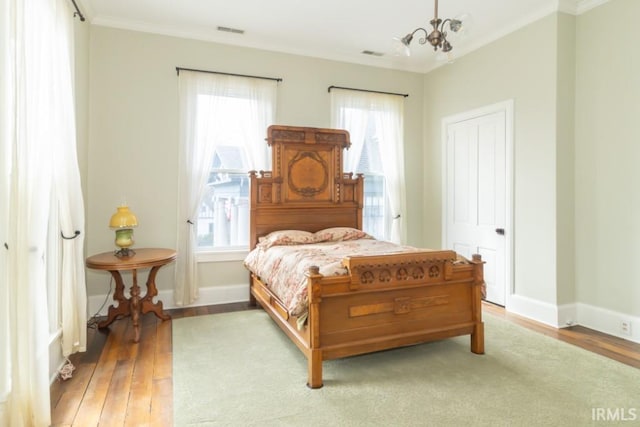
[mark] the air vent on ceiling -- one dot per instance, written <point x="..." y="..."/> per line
<point x="372" y="53"/>
<point x="231" y="30"/>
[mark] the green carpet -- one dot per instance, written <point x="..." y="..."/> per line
<point x="239" y="369"/>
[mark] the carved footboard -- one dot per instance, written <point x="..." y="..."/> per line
<point x="392" y="301"/>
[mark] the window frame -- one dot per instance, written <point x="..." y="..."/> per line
<point x="212" y="253"/>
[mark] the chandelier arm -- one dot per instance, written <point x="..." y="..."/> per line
<point x="442" y="24"/>
<point x="421" y="40"/>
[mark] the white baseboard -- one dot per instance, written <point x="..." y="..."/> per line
<point x="212" y="295"/>
<point x="562" y="316"/>
<point x="607" y="321"/>
<point x="567" y="315"/>
<point x="533" y="309"/>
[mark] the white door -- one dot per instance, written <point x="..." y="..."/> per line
<point x="476" y="194"/>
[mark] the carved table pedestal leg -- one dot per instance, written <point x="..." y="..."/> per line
<point x="147" y="304"/>
<point x="126" y="307"/>
<point x="123" y="308"/>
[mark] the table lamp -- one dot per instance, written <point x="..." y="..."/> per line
<point x="123" y="222"/>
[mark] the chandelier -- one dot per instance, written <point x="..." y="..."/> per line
<point x="438" y="35"/>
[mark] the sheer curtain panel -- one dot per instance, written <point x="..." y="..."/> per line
<point x="370" y="116"/>
<point x="40" y="181"/>
<point x="68" y="189"/>
<point x="199" y="136"/>
<point x="389" y="123"/>
<point x="6" y="132"/>
<point x="350" y="112"/>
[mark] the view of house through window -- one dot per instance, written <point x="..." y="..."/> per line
<point x="223" y="220"/>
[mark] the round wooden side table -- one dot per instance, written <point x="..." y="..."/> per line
<point x="153" y="258"/>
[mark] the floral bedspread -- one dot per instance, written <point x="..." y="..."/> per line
<point x="282" y="268"/>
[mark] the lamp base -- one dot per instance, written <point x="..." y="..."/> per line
<point x="124" y="253"/>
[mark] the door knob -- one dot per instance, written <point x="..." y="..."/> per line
<point x="500" y="231"/>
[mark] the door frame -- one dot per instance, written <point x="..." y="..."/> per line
<point x="508" y="108"/>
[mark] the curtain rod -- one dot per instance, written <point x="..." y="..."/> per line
<point x="77" y="12"/>
<point x="227" y="74"/>
<point x="366" y="90"/>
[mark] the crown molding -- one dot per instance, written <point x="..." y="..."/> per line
<point x="586" y="5"/>
<point x="578" y="7"/>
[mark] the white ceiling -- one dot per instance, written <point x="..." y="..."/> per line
<point x="331" y="29"/>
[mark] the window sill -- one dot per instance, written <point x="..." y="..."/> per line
<point x="221" y="256"/>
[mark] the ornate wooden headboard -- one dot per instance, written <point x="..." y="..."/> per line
<point x="307" y="189"/>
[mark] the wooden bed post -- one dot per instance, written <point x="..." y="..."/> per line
<point x="314" y="360"/>
<point x="477" y="336"/>
<point x="359" y="197"/>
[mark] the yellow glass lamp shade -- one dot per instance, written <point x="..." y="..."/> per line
<point x="123" y="222"/>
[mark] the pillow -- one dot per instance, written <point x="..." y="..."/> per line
<point x="286" y="237"/>
<point x="340" y="234"/>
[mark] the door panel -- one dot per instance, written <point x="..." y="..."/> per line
<point x="461" y="172"/>
<point x="476" y="195"/>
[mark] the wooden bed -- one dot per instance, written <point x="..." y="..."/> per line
<point x="385" y="301"/>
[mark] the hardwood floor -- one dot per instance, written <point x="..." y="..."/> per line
<point x="120" y="383"/>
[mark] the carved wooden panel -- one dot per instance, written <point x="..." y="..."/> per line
<point x="417" y="267"/>
<point x="308" y="174"/>
<point x="309" y="161"/>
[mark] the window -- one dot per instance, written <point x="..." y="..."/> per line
<point x="223" y="220"/>
<point x="224" y="122"/>
<point x="374" y="122"/>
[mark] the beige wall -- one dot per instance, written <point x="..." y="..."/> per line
<point x="133" y="122"/>
<point x="513" y="67"/>
<point x="565" y="153"/>
<point x="608" y="157"/>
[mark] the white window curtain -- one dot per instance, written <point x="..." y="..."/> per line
<point x="6" y="132"/>
<point x="197" y="145"/>
<point x="349" y="110"/>
<point x="37" y="135"/>
<point x="389" y="123"/>
<point x="68" y="187"/>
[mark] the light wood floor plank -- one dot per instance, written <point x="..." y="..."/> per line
<point x="117" y="399"/>
<point x="95" y="395"/>
<point x="162" y="403"/>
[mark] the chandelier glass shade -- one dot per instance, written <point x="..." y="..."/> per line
<point x="436" y="37"/>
